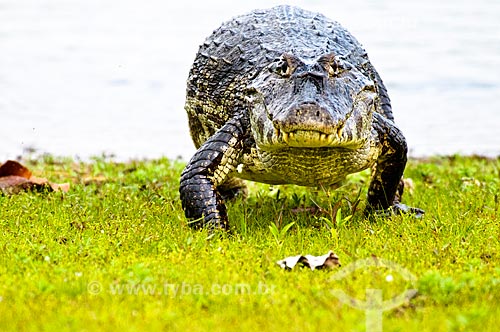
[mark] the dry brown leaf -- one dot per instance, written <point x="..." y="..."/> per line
<point x="11" y="167"/>
<point x="12" y="184"/>
<point x="64" y="187"/>
<point x="15" y="178"/>
<point x="99" y="179"/>
<point x="39" y="181"/>
<point x="329" y="260"/>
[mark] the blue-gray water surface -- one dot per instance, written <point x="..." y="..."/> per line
<point x="83" y="77"/>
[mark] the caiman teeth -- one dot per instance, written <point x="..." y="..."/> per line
<point x="285" y="137"/>
<point x="328" y="139"/>
<point x="301" y="137"/>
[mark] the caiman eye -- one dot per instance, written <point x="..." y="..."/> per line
<point x="282" y="67"/>
<point x="334" y="68"/>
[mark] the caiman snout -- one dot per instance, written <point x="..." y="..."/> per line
<point x="306" y="116"/>
<point x="306" y="125"/>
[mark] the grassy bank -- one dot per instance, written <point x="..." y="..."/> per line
<point x="114" y="253"/>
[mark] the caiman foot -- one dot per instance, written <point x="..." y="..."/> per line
<point x="211" y="224"/>
<point x="205" y="182"/>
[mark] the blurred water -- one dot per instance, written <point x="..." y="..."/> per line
<point x="82" y="77"/>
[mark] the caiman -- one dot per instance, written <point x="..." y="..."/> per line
<point x="285" y="95"/>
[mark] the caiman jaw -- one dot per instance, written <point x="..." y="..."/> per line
<point x="308" y="138"/>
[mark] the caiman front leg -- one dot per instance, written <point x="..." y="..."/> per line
<point x="202" y="203"/>
<point x="386" y="187"/>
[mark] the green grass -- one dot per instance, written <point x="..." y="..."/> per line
<point x="114" y="253"/>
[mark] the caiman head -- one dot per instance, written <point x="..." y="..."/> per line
<point x="311" y="103"/>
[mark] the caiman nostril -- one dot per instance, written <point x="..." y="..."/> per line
<point x="306" y="116"/>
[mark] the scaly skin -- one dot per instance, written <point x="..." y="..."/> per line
<point x="287" y="96"/>
<point x="207" y="170"/>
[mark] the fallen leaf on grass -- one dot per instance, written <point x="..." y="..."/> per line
<point x="329" y="260"/>
<point x="15" y="178"/>
<point x="13" y="168"/>
<point x="98" y="180"/>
